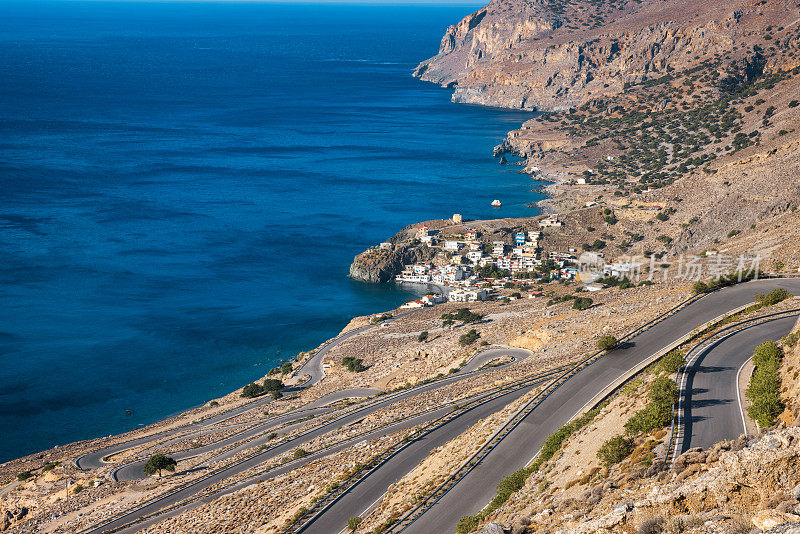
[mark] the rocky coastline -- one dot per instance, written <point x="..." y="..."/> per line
<point x="379" y="266"/>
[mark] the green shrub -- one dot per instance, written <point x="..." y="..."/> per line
<point x="773" y="297"/>
<point x="582" y="303"/>
<point x="672" y="362"/>
<point x="48" y="466"/>
<point x="765" y="384"/>
<point x="353" y="523"/>
<point x="468" y="338"/>
<point x="251" y="391"/>
<point x="505" y="489"/>
<point x="25" y="475"/>
<point x="658" y="413"/>
<point x="299" y="453"/>
<point x="464" y="315"/>
<point x="354" y="365"/>
<point x="422" y="336"/>
<point x="607" y="342"/>
<point x="615" y="450"/>
<point x="381" y="318"/>
<point x="469" y="523"/>
<point x="272" y="384"/>
<point x="791" y="339"/>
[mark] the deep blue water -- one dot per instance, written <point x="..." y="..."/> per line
<point x="183" y="187"/>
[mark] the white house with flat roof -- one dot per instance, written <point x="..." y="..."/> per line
<point x="467" y="295"/>
<point x="550" y="221"/>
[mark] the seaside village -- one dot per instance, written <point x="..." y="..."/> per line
<point x="468" y="269"/>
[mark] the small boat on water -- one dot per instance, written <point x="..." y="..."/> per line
<point x="496" y="203"/>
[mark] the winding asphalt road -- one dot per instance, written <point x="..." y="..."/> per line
<point x="712" y="413"/>
<point x="518" y="448"/>
<point x="313" y="367"/>
<point x="478" y="487"/>
<point x="469" y="370"/>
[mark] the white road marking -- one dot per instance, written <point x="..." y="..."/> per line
<point x="739" y="395"/>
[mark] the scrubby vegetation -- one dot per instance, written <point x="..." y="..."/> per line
<point x="764" y="390"/>
<point x="773" y="297"/>
<point x="688" y="130"/>
<point x="615" y="450"/>
<point x="469" y="338"/>
<point x="464" y="315"/>
<point x="658" y="413"/>
<point x="672" y="362"/>
<point x="353" y="364"/>
<point x="607" y="342"/>
<point x="582" y="303"/>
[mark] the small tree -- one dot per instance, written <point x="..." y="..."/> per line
<point x="273" y="384"/>
<point x="582" y="303"/>
<point x="354" y="365"/>
<point x="353" y="523"/>
<point x="286" y="368"/>
<point x="607" y="342"/>
<point x="422" y="336"/>
<point x="251" y="391"/>
<point x="468" y="338"/>
<point x="158" y="463"/>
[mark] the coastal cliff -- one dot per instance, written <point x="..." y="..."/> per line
<point x="553" y="56"/>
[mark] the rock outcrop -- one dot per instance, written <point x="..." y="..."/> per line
<point x="378" y="266"/>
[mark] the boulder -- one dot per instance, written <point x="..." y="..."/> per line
<point x="492" y="528"/>
<point x="767" y="519"/>
<point x="621" y="508"/>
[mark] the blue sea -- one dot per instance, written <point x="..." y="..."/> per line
<point x="184" y="185"/>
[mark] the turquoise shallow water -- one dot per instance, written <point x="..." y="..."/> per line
<point x="183" y="187"/>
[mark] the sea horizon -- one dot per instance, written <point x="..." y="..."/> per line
<point x="185" y="186"/>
